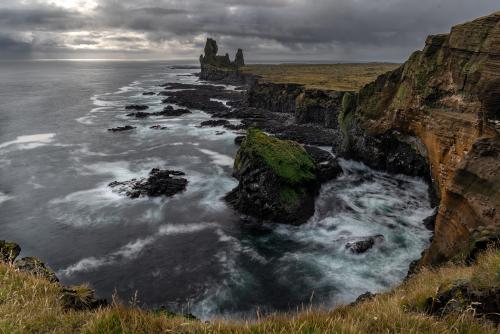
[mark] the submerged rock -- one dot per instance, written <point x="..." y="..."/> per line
<point x="159" y="183"/>
<point x="277" y="180"/>
<point x="136" y="107"/>
<point x="9" y="251"/>
<point x="122" y="128"/>
<point x="362" y="246"/>
<point x="148" y="93"/>
<point x="36" y="267"/>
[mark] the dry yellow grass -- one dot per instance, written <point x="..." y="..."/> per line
<point x="33" y="305"/>
<point x="341" y="77"/>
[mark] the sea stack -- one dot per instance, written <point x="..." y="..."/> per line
<point x="215" y="67"/>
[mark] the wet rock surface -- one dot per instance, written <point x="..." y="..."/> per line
<point x="327" y="167"/>
<point x="136" y="107"/>
<point x="158" y="183"/>
<point x="214" y="123"/>
<point x="168" y="111"/>
<point x="122" y="128"/>
<point x="364" y="245"/>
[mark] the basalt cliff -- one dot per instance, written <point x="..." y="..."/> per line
<point x="436" y="116"/>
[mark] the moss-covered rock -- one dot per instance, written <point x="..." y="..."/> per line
<point x="278" y="179"/>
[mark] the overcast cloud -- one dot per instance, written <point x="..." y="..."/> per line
<point x="329" y="30"/>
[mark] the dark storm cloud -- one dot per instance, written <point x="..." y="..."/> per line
<point x="280" y="29"/>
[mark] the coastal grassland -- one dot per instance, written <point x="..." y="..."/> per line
<point x="33" y="305"/>
<point x="340" y="77"/>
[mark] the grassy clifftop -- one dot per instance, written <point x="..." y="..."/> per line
<point x="33" y="305"/>
<point x="340" y="77"/>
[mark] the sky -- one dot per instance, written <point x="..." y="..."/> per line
<point x="267" y="30"/>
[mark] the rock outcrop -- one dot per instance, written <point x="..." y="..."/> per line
<point x="158" y="183"/>
<point x="443" y="105"/>
<point x="215" y="67"/>
<point x="278" y="179"/>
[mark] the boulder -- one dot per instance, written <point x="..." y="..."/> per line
<point x="362" y="246"/>
<point x="277" y="180"/>
<point x="159" y="183"/>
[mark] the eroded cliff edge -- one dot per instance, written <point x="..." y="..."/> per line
<point x="435" y="116"/>
<point x="445" y="103"/>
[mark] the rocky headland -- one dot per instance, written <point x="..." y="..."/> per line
<point x="436" y="116"/>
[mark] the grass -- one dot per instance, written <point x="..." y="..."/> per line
<point x="340" y="77"/>
<point x="287" y="159"/>
<point x="33" y="305"/>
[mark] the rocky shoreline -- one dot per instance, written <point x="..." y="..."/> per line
<point x="428" y="118"/>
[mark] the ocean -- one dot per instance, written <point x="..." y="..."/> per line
<point x="190" y="253"/>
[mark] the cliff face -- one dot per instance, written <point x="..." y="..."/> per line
<point x="443" y="103"/>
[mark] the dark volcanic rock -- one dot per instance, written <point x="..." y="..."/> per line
<point x="158" y="127"/>
<point x="168" y="111"/>
<point x="148" y="93"/>
<point x="122" y="128"/>
<point x="159" y="183"/>
<point x="327" y="167"/>
<point x="9" y="251"/>
<point x="239" y="139"/>
<point x="362" y="246"/>
<point x="36" y="267"/>
<point x="277" y="180"/>
<point x="139" y="114"/>
<point x="136" y="107"/>
<point x="214" y="122"/>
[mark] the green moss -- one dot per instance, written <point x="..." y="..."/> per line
<point x="346" y="115"/>
<point x="286" y="158"/>
<point x="289" y="196"/>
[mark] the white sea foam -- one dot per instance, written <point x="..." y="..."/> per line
<point x="218" y="158"/>
<point x="133" y="249"/>
<point x="30" y="141"/>
<point x="5" y="197"/>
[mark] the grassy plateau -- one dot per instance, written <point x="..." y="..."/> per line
<point x="340" y="77"/>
